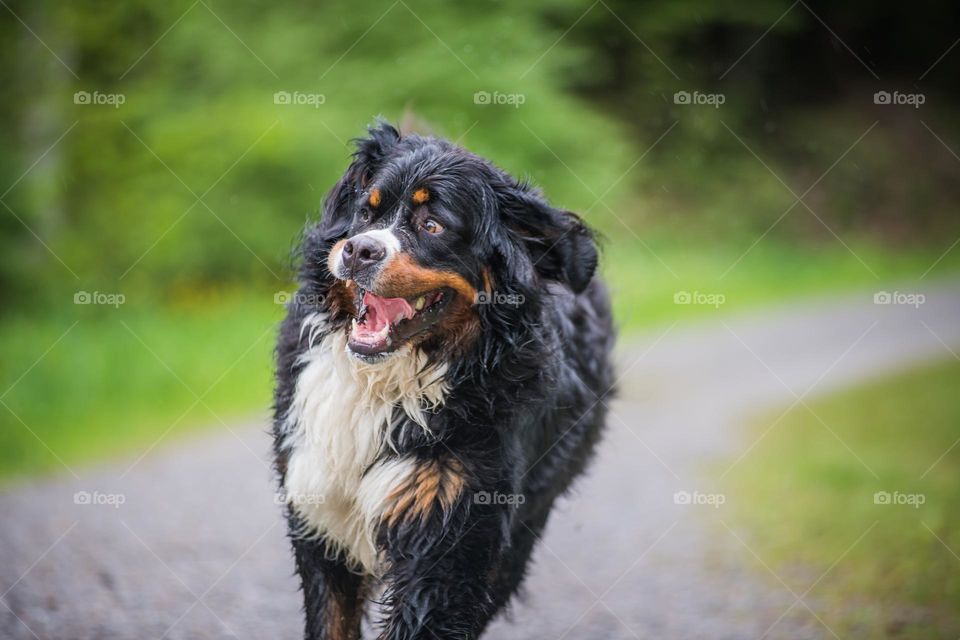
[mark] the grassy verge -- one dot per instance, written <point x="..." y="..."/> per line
<point x="645" y="278"/>
<point x="808" y="501"/>
<point x="95" y="382"/>
<point x="117" y="379"/>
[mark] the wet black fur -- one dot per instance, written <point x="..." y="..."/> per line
<point x="524" y="411"/>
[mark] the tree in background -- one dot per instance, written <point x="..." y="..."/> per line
<point x="201" y="178"/>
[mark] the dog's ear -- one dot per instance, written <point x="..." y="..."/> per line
<point x="561" y="247"/>
<point x="340" y="201"/>
<point x="380" y="140"/>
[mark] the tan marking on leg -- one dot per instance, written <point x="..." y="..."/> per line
<point x="342" y="615"/>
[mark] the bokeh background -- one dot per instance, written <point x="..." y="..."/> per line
<point x="160" y="159"/>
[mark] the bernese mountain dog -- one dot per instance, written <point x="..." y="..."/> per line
<point x="441" y="380"/>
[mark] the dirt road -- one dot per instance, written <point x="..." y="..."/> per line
<point x="187" y="541"/>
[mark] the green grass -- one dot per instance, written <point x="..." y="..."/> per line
<point x="100" y="392"/>
<point x="644" y="277"/>
<point x="806" y="501"/>
<point x="98" y="382"/>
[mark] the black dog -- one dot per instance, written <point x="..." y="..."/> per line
<point x="439" y="384"/>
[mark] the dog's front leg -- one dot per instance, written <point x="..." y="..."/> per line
<point x="331" y="593"/>
<point x="442" y="542"/>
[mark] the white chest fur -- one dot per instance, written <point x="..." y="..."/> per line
<point x="337" y="426"/>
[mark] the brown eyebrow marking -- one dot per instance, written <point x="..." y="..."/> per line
<point x="420" y="196"/>
<point x="374" y="197"/>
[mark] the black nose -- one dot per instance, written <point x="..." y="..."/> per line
<point x="361" y="252"/>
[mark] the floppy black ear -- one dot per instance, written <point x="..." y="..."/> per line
<point x="561" y="247"/>
<point x="381" y="138"/>
<point x="370" y="153"/>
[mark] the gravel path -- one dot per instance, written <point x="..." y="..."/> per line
<point x="197" y="548"/>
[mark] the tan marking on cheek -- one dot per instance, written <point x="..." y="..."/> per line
<point x="432" y="485"/>
<point x="334" y="254"/>
<point x="340" y="299"/>
<point x="420" y="196"/>
<point x="403" y="277"/>
<point x="458" y="329"/>
<point x="374" y="198"/>
<point x="487" y="281"/>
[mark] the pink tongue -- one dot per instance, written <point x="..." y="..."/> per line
<point x="383" y="311"/>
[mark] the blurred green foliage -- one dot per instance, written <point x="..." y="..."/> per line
<point x="149" y="149"/>
<point x="201" y="170"/>
<point x="797" y="83"/>
<point x="200" y="177"/>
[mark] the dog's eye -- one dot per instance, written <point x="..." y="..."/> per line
<point x="364" y="216"/>
<point x="432" y="227"/>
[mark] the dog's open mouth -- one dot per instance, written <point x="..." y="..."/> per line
<point x="384" y="324"/>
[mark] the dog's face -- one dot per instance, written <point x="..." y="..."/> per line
<point x="420" y="231"/>
<point x="406" y="263"/>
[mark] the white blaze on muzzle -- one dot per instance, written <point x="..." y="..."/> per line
<point x="385" y="237"/>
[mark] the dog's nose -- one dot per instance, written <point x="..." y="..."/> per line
<point x="361" y="252"/>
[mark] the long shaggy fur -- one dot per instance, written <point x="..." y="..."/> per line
<point x="430" y="473"/>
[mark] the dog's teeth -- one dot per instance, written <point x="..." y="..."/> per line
<point x="419" y="304"/>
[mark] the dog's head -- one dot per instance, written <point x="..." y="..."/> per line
<point x="420" y="238"/>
